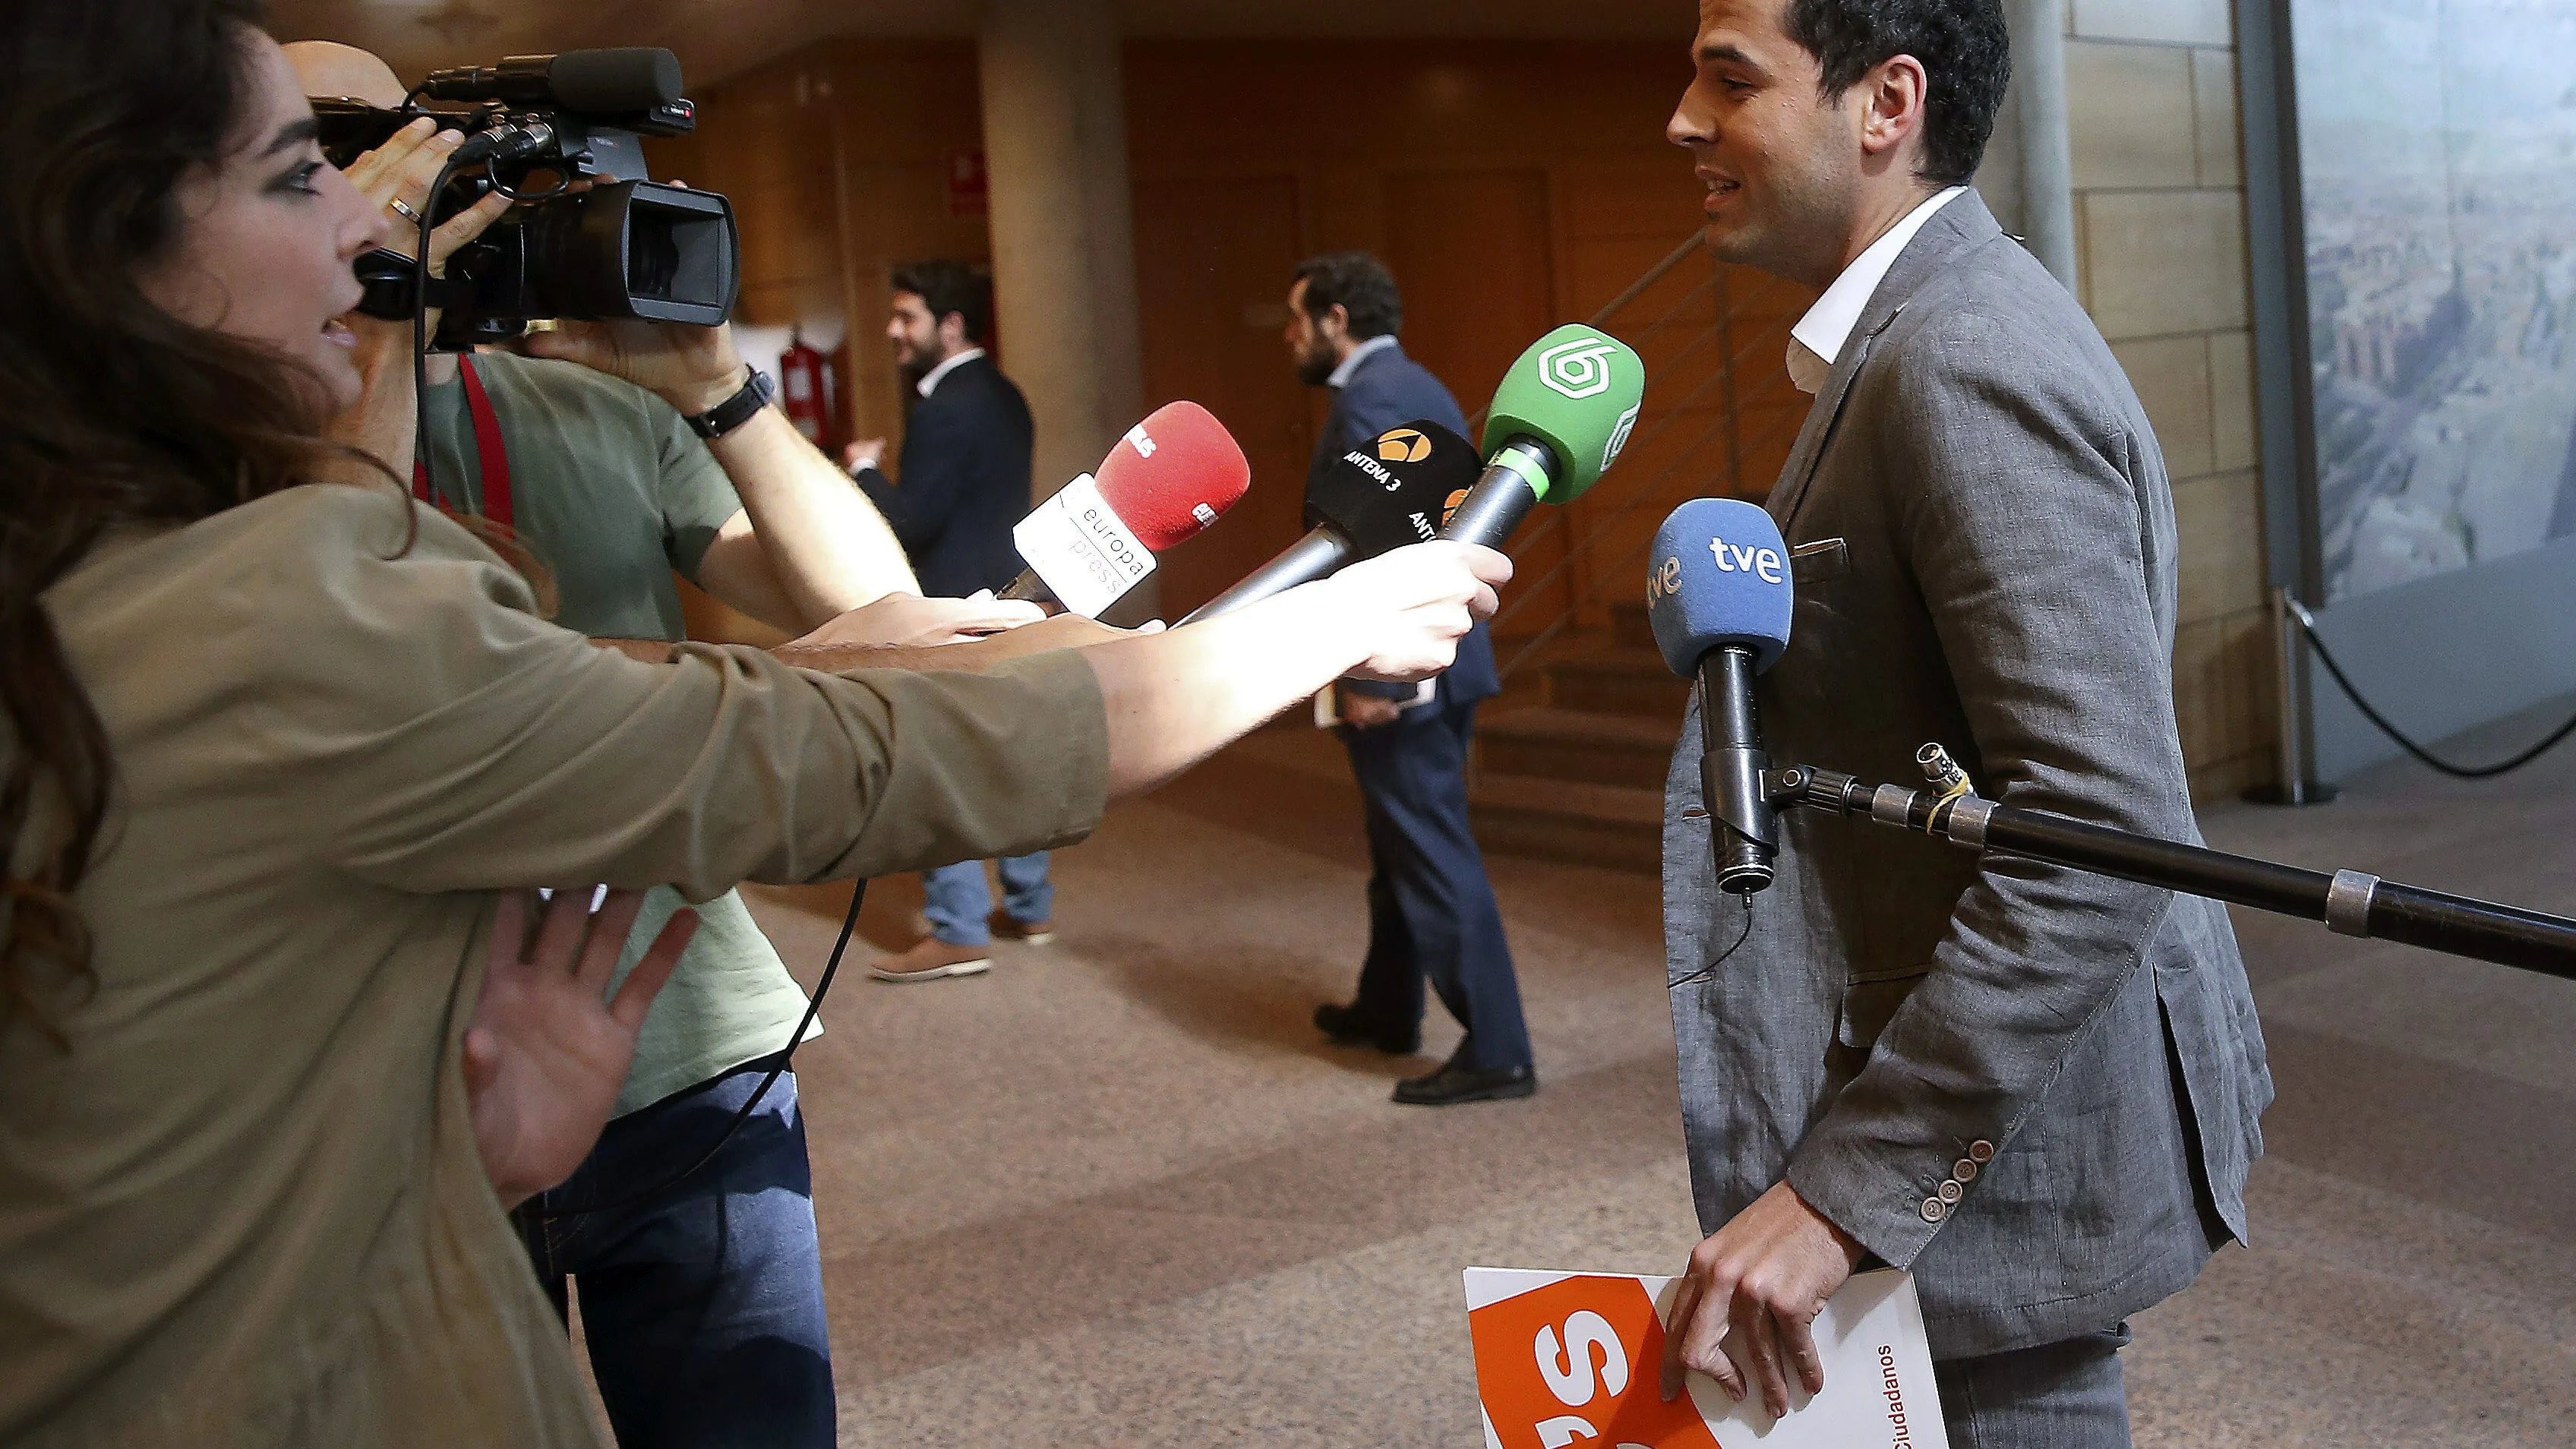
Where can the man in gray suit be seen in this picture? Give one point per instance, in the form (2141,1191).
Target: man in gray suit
(2038,1090)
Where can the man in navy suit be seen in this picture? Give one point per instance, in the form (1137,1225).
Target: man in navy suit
(1431,911)
(965,482)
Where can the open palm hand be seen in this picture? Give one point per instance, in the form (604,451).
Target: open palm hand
(548,1049)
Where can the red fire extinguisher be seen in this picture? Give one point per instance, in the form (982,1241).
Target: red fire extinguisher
(805,389)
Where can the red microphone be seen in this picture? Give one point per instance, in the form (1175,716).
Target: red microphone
(1161,485)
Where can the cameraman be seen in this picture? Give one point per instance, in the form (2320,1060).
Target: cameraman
(702,1305)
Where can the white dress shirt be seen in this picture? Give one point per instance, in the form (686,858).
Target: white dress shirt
(1342,370)
(1819,336)
(931,378)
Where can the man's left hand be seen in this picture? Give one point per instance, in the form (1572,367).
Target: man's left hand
(691,368)
(1748,1303)
(1367,711)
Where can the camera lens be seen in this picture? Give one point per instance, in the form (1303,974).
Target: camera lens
(652,256)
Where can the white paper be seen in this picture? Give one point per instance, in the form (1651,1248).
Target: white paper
(1568,1384)
(1079,546)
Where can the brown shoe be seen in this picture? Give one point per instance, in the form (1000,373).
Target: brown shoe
(930,959)
(1027,933)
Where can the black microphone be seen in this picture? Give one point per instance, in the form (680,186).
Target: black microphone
(1719,597)
(1379,496)
(608,82)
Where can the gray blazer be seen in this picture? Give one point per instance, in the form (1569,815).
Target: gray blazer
(2077,1055)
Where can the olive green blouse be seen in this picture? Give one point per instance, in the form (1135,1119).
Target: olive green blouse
(245,1207)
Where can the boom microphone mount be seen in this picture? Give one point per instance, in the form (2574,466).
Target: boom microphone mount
(2349,902)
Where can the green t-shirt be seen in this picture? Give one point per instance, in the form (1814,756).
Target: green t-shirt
(613,493)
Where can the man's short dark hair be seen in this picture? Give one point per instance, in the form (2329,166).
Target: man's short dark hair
(1966,57)
(1361,285)
(946,287)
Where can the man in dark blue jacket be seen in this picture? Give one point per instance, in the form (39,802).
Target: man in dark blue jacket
(1431,910)
(965,482)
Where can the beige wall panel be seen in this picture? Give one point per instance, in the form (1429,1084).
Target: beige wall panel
(2171,375)
(2220,523)
(2161,262)
(2220,135)
(2179,22)
(2231,400)
(2129,115)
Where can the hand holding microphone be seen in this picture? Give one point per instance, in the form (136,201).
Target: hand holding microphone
(1409,608)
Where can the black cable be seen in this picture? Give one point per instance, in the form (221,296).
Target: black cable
(796,1038)
(426,469)
(1709,970)
(2326,657)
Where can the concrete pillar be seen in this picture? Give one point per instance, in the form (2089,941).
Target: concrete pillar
(2039,109)
(1062,224)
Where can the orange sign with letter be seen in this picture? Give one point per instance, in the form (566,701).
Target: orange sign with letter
(1573,1361)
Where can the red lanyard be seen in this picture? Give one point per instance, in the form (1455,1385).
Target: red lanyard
(488,449)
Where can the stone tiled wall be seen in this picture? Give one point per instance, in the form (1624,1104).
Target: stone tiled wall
(2160,217)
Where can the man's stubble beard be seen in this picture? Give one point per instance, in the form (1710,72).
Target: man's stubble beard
(1315,365)
(1801,233)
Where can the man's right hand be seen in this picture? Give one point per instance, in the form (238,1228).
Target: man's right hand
(1365,711)
(908,621)
(863,454)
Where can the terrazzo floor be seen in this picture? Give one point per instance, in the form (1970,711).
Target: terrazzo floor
(1119,1192)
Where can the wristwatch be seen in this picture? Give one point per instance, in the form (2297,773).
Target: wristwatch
(736,410)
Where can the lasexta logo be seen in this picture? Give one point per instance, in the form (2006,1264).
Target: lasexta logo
(1578,369)
(1403,445)
(1619,436)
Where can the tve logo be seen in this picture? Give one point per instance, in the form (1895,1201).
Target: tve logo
(1663,581)
(1140,440)
(1763,563)
(1578,369)
(1574,1363)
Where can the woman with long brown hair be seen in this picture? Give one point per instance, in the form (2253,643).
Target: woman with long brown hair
(272,746)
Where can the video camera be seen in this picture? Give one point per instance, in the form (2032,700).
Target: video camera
(593,238)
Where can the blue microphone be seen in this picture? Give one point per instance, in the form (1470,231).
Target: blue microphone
(1719,597)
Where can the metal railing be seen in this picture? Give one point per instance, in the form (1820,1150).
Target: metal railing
(1676,388)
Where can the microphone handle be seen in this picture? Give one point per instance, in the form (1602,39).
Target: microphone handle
(1310,558)
(1028,588)
(1744,830)
(1513,481)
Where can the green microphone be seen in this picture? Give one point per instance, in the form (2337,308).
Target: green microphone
(1558,421)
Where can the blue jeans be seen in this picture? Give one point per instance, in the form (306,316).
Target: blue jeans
(957,900)
(2066,1395)
(703,1307)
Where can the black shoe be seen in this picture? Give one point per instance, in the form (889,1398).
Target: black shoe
(1346,1027)
(1457,1082)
